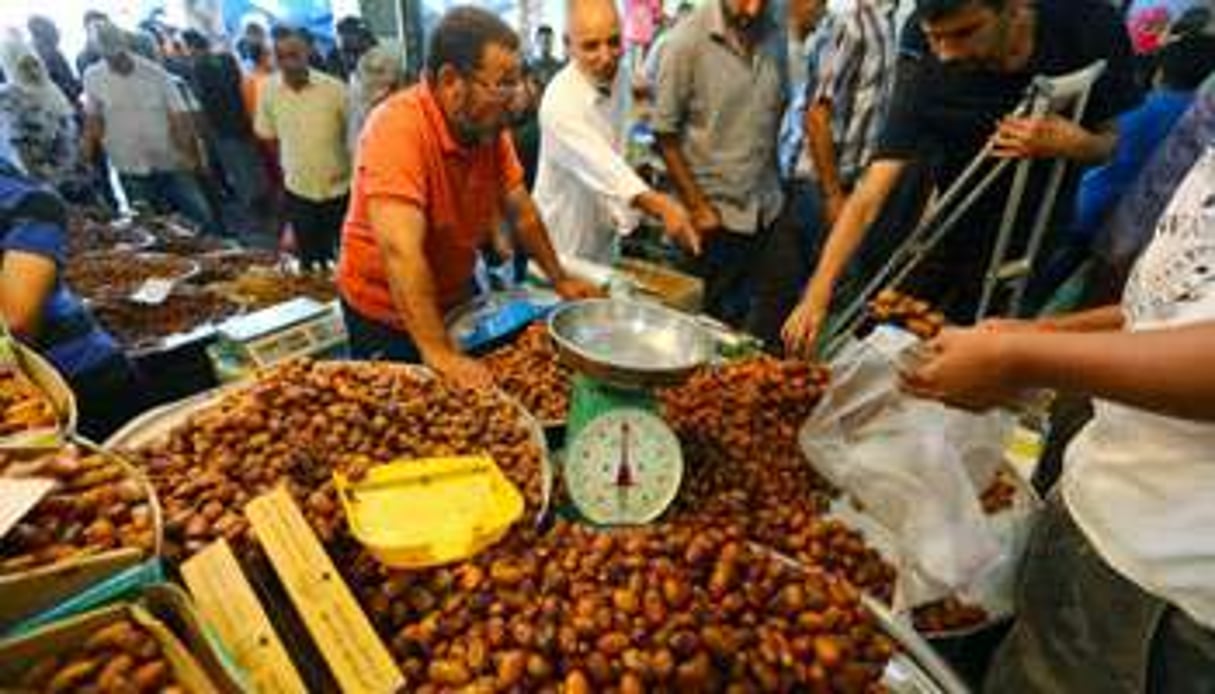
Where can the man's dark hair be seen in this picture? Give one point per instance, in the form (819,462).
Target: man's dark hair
(284,32)
(461,37)
(195,40)
(350,25)
(1186,62)
(91,16)
(932,10)
(544,29)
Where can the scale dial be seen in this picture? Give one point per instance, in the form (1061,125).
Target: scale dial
(624,468)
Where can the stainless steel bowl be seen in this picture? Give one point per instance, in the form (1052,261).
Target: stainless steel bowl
(630,344)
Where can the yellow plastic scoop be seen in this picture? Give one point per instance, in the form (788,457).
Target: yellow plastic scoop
(421,513)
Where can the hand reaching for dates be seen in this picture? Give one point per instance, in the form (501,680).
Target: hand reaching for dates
(462,371)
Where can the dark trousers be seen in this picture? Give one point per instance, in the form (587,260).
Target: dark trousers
(171,191)
(1082,627)
(727,265)
(371,340)
(317,226)
(786,261)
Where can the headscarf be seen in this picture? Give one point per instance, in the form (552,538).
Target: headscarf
(24,70)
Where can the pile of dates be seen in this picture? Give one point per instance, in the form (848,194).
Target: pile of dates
(738,425)
(227,265)
(918,317)
(298,423)
(98,505)
(676,607)
(121,273)
(89,231)
(23,405)
(139,325)
(529,370)
(119,657)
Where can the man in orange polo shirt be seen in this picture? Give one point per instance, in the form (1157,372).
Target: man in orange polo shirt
(435,172)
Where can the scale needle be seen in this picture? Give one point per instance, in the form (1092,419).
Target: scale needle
(624,473)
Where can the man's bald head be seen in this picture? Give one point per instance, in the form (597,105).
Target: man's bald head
(593,39)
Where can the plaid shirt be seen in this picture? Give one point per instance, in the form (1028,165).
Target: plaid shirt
(856,76)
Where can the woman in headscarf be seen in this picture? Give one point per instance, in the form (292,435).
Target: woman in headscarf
(378,75)
(37,122)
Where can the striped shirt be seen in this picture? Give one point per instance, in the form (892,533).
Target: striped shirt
(856,77)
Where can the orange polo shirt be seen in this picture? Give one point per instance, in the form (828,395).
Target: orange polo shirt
(407,152)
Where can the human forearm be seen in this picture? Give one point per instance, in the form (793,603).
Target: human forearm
(680,173)
(1092,147)
(90,142)
(1093,320)
(1165,371)
(185,139)
(854,221)
(820,142)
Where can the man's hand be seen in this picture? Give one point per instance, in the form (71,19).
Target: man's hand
(572,289)
(460,370)
(679,227)
(803,326)
(1042,137)
(969,369)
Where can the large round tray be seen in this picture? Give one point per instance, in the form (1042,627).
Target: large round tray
(630,344)
(155,425)
(187,270)
(55,387)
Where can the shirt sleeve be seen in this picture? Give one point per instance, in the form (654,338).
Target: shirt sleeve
(390,162)
(840,61)
(579,149)
(174,97)
(509,167)
(38,238)
(674,87)
(93,103)
(902,134)
(263,120)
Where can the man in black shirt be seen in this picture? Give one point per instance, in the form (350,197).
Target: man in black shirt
(964,66)
(215,79)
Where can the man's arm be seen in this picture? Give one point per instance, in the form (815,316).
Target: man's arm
(400,232)
(26,281)
(530,231)
(1165,371)
(820,141)
(94,134)
(704,215)
(584,153)
(801,330)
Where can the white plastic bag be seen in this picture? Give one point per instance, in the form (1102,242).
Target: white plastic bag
(915,466)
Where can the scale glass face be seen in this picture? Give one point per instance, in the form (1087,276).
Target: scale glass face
(624,468)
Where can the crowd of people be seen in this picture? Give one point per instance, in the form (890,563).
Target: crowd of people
(797,150)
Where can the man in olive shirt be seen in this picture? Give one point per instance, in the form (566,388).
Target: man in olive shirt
(717,114)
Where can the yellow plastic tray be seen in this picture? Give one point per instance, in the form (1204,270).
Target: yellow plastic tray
(430,512)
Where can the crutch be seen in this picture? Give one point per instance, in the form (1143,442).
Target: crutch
(1044,94)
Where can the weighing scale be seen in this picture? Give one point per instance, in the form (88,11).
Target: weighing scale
(623,464)
(301,327)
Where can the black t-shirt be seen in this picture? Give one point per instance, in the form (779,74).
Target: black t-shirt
(215,80)
(943,114)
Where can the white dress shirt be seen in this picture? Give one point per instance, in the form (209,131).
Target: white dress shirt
(584,187)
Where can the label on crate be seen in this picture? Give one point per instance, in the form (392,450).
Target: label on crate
(358,658)
(18,497)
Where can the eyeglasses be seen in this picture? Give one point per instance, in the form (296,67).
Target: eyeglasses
(503,91)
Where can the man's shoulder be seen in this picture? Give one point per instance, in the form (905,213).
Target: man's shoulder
(568,91)
(327,82)
(403,115)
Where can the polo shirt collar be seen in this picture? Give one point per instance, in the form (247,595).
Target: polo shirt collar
(719,30)
(438,121)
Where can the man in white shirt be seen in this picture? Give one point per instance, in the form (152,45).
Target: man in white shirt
(1117,592)
(132,107)
(586,192)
